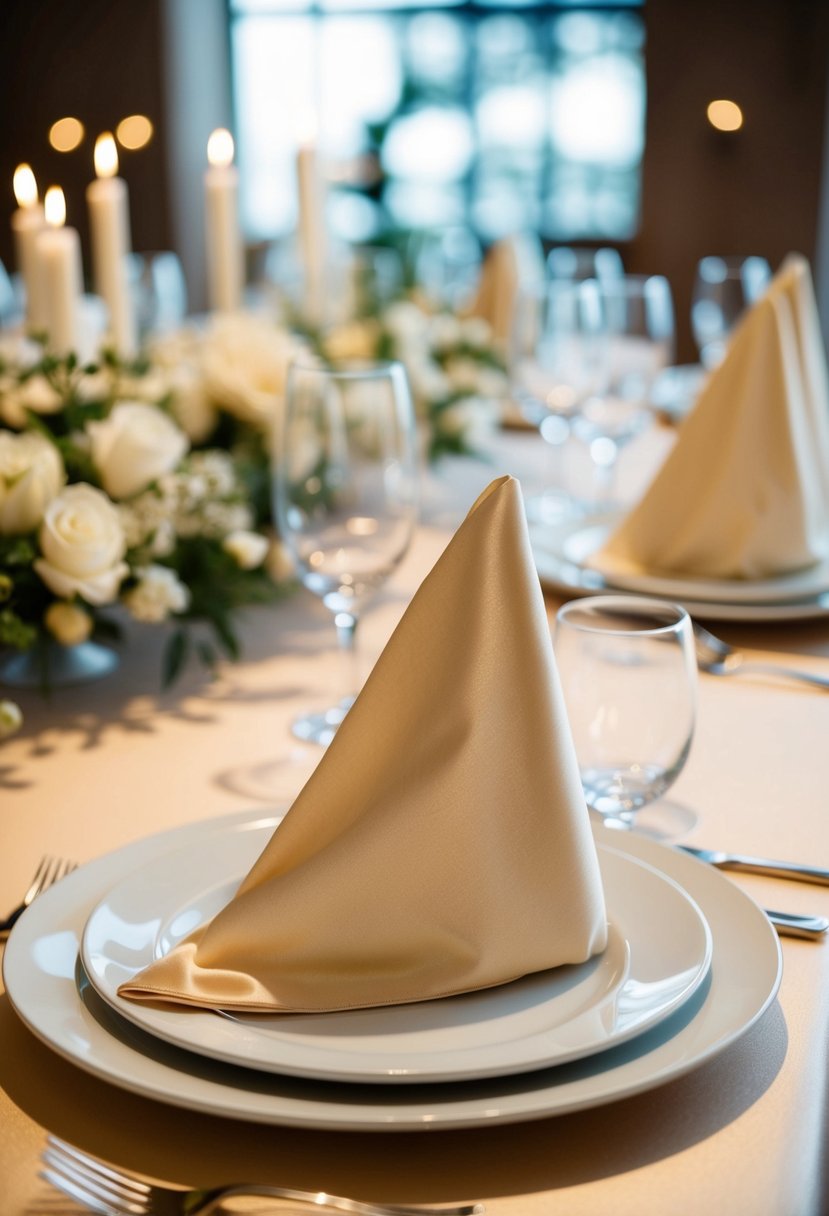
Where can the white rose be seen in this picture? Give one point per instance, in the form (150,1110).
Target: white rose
(279,563)
(445,331)
(31,474)
(83,545)
(11,718)
(133,446)
(472,419)
(245,364)
(158,593)
(477,331)
(463,375)
(356,340)
(68,623)
(35,395)
(248,549)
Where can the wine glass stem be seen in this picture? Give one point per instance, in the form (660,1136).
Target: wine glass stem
(346,626)
(604,474)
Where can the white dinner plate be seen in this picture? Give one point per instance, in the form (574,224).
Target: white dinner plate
(658,953)
(41,971)
(562,555)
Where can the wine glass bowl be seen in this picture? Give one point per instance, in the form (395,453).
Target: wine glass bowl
(723,289)
(344,495)
(628,671)
(557,361)
(638,319)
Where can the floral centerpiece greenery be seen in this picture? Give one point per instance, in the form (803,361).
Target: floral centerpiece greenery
(107,499)
(458,378)
(146,485)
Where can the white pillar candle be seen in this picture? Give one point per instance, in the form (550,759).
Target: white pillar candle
(109,224)
(311,229)
(225,273)
(59,257)
(27,223)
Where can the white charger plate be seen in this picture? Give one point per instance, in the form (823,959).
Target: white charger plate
(562,555)
(48,990)
(658,954)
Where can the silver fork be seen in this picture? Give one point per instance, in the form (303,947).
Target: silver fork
(719,659)
(49,871)
(103,1189)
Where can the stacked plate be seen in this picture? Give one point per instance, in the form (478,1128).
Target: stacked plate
(691,964)
(562,555)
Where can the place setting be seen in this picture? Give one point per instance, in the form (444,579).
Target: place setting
(433,935)
(735,522)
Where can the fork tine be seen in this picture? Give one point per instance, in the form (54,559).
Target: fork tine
(37,880)
(77,1159)
(69,1186)
(113,1192)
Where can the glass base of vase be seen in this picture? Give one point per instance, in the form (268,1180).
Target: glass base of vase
(56,666)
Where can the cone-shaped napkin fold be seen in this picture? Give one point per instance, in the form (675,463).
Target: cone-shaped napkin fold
(442,844)
(744,493)
(512,264)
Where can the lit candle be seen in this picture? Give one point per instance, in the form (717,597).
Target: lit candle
(311,227)
(109,225)
(27,223)
(59,257)
(225,276)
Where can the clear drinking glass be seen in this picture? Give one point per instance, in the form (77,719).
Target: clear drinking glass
(557,361)
(723,289)
(628,673)
(580,263)
(345,496)
(639,320)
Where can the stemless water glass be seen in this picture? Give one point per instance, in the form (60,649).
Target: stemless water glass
(345,495)
(557,360)
(628,672)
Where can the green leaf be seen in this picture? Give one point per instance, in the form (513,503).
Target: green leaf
(175,655)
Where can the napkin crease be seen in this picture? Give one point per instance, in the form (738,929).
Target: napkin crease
(442,845)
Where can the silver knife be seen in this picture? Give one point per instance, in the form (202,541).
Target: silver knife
(791,924)
(759,865)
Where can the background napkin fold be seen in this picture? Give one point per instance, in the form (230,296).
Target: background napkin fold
(442,844)
(744,493)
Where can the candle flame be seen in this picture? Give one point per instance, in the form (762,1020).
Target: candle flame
(54,206)
(106,155)
(220,148)
(25,186)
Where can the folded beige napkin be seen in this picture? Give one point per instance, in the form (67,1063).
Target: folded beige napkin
(442,844)
(744,493)
(511,264)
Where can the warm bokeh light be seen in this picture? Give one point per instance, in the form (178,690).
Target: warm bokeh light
(66,134)
(106,155)
(25,186)
(725,115)
(54,207)
(134,132)
(220,148)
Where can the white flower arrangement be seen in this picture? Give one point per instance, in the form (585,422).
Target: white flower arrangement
(105,501)
(458,379)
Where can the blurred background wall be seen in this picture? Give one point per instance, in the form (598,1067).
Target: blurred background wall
(191,65)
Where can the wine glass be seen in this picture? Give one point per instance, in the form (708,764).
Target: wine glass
(639,322)
(628,672)
(723,289)
(557,361)
(576,264)
(159,291)
(345,496)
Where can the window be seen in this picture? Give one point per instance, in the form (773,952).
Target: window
(497,116)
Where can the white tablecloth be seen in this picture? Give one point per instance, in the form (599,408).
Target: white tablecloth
(104,764)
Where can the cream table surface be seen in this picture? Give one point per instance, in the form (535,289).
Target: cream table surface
(98,766)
